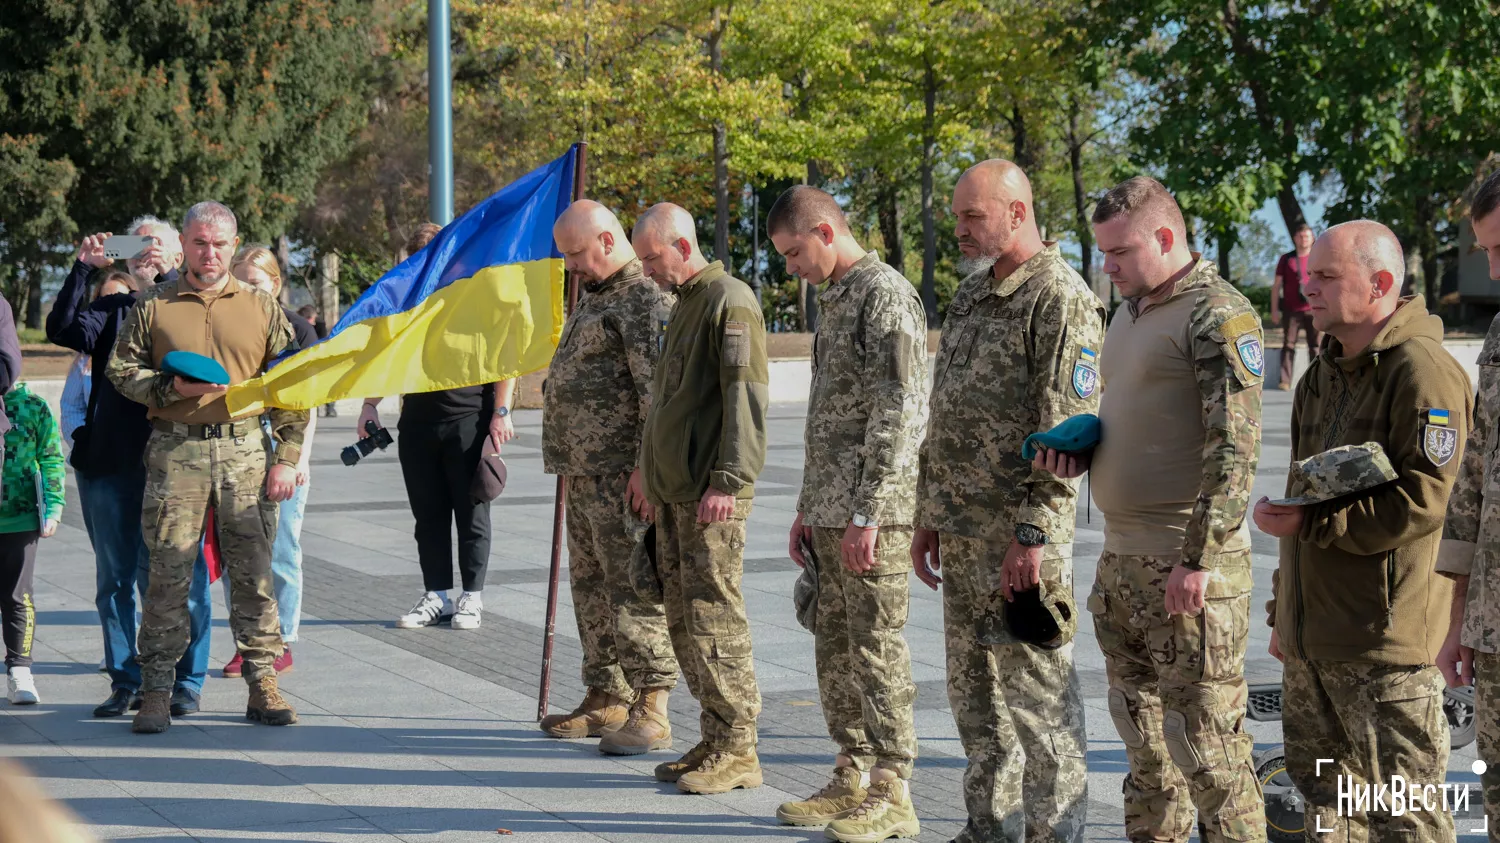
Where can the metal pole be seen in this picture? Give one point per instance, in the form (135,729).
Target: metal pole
(439,114)
(580,183)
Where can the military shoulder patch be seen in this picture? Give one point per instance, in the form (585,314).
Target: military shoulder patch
(1251,354)
(1439,441)
(1086,373)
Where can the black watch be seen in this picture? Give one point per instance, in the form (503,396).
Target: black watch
(1028,535)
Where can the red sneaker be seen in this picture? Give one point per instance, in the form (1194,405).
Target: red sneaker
(284,661)
(236,667)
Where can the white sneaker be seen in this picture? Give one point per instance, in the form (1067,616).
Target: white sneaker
(433,608)
(470,604)
(22,687)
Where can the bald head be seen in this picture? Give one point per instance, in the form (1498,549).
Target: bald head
(666,238)
(592,241)
(994,219)
(1355,272)
(1372,244)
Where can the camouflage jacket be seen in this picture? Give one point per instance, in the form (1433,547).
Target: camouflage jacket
(234,339)
(1471,532)
(1018,355)
(599,382)
(867,408)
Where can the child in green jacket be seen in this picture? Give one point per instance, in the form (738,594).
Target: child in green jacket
(33,462)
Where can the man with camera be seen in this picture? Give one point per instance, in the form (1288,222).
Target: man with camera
(107,462)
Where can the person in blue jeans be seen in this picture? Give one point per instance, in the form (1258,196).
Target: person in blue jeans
(108,462)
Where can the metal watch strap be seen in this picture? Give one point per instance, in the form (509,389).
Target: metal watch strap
(1030,535)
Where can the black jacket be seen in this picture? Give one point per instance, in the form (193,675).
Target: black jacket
(113,437)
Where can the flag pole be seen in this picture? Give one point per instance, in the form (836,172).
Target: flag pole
(580,183)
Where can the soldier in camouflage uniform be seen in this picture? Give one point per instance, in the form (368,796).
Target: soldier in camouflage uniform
(1180,413)
(703,446)
(594,408)
(1470,551)
(199,457)
(866,413)
(1359,610)
(1018,356)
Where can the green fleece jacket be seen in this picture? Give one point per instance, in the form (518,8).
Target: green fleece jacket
(707,424)
(1359,582)
(32,445)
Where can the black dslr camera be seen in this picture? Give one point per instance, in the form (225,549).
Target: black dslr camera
(379,438)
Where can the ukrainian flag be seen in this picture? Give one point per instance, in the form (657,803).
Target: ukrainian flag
(482,302)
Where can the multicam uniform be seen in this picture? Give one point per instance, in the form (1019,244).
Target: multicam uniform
(1172,475)
(199,457)
(594,409)
(1018,356)
(867,410)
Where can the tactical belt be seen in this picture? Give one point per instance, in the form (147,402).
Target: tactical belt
(231,430)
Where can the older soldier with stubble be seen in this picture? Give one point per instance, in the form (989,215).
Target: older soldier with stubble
(594,409)
(1017,357)
(1470,551)
(704,445)
(1359,609)
(1180,412)
(866,413)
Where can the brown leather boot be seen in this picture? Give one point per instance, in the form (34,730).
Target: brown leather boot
(267,705)
(647,728)
(155,715)
(671,771)
(598,711)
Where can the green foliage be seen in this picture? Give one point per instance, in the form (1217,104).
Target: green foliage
(1260,296)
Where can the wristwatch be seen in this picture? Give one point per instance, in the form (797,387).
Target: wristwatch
(502,411)
(864,522)
(1029,535)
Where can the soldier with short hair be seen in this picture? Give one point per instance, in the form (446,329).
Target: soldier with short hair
(593,413)
(1470,551)
(1180,414)
(1019,355)
(866,413)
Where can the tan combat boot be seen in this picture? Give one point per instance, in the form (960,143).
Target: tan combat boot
(267,705)
(886,812)
(598,711)
(721,772)
(671,771)
(155,714)
(647,728)
(836,800)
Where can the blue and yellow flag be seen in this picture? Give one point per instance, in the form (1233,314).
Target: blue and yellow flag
(481,303)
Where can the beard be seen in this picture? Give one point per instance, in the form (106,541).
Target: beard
(979,263)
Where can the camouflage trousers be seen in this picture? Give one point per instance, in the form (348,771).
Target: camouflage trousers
(184,477)
(625,641)
(1487,716)
(1019,715)
(1374,721)
(864,668)
(701,566)
(1177,696)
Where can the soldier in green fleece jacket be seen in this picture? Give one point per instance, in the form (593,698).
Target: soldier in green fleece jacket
(33,448)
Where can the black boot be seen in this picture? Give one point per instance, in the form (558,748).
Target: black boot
(184,702)
(120,701)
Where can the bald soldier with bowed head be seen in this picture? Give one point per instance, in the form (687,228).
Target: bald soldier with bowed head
(866,413)
(1359,609)
(1182,369)
(704,445)
(1019,355)
(594,410)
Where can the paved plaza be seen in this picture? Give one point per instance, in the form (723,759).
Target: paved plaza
(430,735)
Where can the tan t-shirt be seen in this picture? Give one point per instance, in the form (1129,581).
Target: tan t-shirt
(1148,468)
(231,326)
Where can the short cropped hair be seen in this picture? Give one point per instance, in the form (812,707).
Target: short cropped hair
(1143,199)
(211,213)
(801,208)
(421,237)
(1487,199)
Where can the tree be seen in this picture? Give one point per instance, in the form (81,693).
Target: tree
(33,218)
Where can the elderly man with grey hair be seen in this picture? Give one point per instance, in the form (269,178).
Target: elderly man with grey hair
(107,459)
(202,455)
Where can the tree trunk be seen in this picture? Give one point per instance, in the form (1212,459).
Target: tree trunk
(814,174)
(889,211)
(328,289)
(284,260)
(721,145)
(1251,64)
(929,225)
(1080,200)
(1226,248)
(1020,140)
(34,298)
(1426,240)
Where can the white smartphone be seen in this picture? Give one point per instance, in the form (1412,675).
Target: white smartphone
(126,246)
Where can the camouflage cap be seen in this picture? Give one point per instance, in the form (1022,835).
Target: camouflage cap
(1336,472)
(1043,616)
(805,591)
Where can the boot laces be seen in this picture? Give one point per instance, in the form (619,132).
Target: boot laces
(272,694)
(827,791)
(877,796)
(714,760)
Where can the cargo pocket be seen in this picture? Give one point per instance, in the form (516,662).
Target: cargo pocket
(153,512)
(891,700)
(733,673)
(270,516)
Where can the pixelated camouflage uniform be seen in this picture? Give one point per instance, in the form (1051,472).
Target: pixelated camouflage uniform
(594,409)
(185,475)
(707,428)
(1177,690)
(866,413)
(1471,549)
(1005,369)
